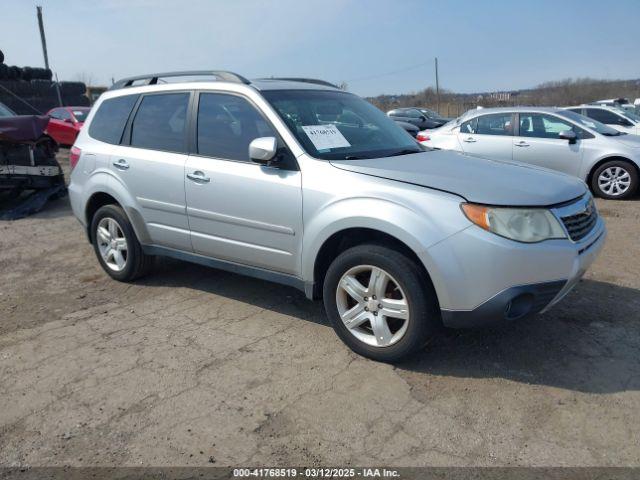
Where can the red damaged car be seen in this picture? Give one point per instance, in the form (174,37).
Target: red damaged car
(65,123)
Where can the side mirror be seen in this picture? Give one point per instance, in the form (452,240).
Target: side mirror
(68,120)
(423,118)
(569,135)
(263,149)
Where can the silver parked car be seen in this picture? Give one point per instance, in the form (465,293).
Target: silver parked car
(606,159)
(306,185)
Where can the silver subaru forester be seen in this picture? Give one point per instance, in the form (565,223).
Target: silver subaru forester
(297,182)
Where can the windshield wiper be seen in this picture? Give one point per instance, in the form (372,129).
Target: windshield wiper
(354,157)
(406,151)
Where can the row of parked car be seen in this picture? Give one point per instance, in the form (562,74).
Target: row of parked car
(600,144)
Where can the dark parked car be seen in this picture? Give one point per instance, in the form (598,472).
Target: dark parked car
(27,155)
(415,117)
(410,128)
(435,116)
(6,111)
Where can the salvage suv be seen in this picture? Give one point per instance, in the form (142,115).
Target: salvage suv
(300,183)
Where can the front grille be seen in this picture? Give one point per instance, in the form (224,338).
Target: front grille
(580,224)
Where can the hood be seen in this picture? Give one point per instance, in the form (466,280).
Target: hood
(628,140)
(478,180)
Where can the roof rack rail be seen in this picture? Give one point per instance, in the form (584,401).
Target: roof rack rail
(303,80)
(152,78)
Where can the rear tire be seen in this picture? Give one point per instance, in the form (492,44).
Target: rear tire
(389,317)
(615,180)
(116,245)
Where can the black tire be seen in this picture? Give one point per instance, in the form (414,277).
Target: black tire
(137,263)
(424,320)
(622,164)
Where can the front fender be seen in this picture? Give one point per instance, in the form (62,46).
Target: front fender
(416,229)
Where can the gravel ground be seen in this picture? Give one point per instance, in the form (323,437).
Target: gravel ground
(193,366)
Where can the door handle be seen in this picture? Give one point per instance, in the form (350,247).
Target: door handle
(121,164)
(522,144)
(198,177)
(469,140)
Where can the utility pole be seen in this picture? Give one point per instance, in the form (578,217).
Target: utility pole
(437,89)
(43,39)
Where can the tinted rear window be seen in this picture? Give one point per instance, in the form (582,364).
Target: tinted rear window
(110,119)
(160,122)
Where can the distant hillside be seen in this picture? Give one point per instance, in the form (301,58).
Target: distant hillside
(559,93)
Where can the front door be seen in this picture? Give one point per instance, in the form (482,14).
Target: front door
(238,210)
(538,143)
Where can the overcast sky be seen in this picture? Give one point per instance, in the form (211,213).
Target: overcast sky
(376,46)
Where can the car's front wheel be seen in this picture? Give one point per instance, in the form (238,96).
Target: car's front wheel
(116,245)
(380,303)
(616,179)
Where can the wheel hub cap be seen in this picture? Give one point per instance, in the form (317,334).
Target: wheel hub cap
(614,181)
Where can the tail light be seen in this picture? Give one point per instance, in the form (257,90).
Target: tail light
(423,137)
(74,157)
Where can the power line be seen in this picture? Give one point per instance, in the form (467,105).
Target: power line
(394,72)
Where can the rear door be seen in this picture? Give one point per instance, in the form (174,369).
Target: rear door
(241,211)
(538,143)
(489,136)
(150,163)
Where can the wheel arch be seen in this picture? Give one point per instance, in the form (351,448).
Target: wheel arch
(100,198)
(611,158)
(346,238)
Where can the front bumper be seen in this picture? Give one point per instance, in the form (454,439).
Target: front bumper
(481,278)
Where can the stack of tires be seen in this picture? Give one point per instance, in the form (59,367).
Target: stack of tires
(35,86)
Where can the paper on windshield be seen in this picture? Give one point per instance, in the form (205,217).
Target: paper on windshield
(325,137)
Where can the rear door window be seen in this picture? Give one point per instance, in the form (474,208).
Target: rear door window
(160,122)
(470,126)
(495,124)
(109,121)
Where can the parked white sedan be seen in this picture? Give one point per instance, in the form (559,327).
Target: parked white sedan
(606,159)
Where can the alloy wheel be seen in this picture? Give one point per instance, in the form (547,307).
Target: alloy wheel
(372,305)
(112,244)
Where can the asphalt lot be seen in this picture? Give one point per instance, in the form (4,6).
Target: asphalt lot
(193,366)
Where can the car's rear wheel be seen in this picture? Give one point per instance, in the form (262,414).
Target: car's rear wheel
(616,179)
(380,303)
(116,245)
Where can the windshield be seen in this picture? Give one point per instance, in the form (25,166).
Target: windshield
(429,113)
(601,128)
(630,114)
(81,114)
(5,112)
(335,125)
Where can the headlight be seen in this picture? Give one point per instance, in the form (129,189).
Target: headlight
(528,225)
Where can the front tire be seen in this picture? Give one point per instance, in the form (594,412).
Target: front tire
(380,303)
(116,245)
(615,180)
